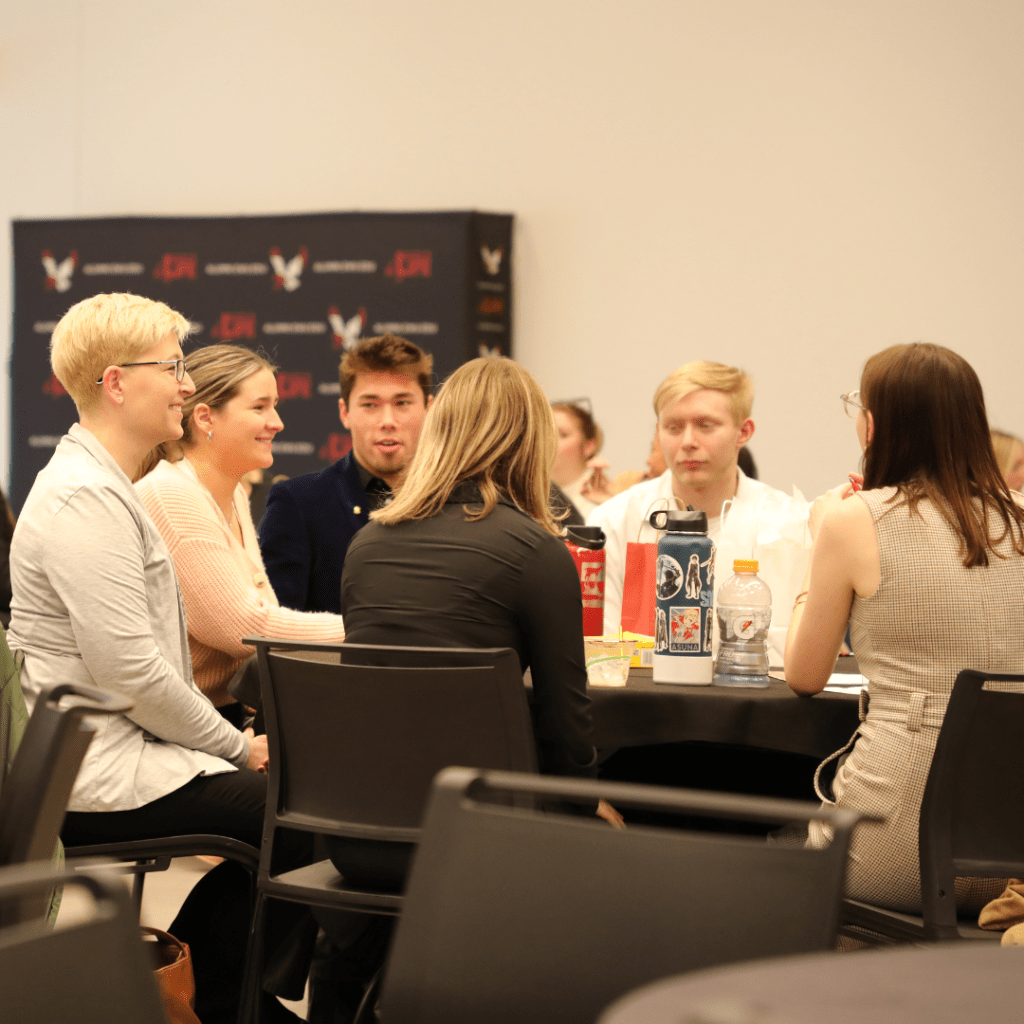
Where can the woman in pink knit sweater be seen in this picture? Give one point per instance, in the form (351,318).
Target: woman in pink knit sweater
(193,493)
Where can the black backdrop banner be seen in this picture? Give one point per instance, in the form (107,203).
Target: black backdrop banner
(303,288)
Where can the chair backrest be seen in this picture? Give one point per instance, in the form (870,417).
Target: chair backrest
(972,812)
(37,787)
(94,971)
(519,913)
(357,742)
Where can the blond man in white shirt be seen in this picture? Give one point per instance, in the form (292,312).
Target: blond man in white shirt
(703,411)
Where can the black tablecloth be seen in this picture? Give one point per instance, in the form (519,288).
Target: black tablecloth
(947,984)
(644,713)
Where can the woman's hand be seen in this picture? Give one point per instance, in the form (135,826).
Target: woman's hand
(612,816)
(828,500)
(258,756)
(598,488)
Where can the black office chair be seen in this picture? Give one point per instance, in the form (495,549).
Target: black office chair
(95,971)
(356,734)
(35,791)
(972,814)
(514,913)
(139,857)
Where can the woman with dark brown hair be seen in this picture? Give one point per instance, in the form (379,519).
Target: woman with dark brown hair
(926,564)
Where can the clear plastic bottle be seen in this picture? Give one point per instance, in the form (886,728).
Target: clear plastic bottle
(744,610)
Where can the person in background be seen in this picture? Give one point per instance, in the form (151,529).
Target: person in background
(655,467)
(193,492)
(1009,452)
(746,462)
(469,555)
(703,411)
(926,564)
(310,520)
(7,523)
(577,472)
(96,602)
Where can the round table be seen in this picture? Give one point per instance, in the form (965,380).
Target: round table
(946,984)
(773,718)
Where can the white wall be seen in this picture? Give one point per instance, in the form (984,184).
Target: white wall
(786,185)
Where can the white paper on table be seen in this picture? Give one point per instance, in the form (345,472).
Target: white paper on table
(846,682)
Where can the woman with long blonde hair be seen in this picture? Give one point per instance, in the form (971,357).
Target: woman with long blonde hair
(192,490)
(469,554)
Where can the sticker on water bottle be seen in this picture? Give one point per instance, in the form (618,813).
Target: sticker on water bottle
(670,577)
(684,626)
(660,630)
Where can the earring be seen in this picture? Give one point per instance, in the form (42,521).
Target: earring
(209,435)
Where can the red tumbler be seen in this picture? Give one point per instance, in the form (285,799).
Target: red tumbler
(586,545)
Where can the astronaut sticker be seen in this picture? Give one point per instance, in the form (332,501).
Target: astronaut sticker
(670,577)
(684,630)
(660,630)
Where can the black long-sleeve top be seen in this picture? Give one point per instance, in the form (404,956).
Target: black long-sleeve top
(501,581)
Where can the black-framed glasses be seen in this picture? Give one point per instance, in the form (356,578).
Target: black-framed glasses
(180,369)
(851,404)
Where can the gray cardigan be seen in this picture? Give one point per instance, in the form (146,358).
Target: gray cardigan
(96,601)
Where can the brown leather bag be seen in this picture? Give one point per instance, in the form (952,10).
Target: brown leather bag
(174,976)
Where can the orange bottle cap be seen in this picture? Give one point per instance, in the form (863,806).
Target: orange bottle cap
(745,565)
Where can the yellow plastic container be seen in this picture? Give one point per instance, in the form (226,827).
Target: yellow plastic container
(643,652)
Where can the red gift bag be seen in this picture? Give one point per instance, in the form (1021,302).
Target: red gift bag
(638,588)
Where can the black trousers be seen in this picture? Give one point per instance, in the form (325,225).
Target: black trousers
(214,920)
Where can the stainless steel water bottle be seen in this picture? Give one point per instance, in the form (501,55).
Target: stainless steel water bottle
(683,598)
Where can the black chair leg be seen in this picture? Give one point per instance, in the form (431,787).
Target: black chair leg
(368,1004)
(251,1006)
(138,883)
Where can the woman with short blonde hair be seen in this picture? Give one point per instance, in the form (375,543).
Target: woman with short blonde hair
(468,554)
(96,601)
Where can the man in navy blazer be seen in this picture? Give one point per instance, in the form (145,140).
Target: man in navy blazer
(310,520)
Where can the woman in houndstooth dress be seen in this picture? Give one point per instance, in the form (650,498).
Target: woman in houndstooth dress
(926,564)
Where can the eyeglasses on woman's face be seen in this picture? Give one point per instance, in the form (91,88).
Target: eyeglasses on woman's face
(179,367)
(851,403)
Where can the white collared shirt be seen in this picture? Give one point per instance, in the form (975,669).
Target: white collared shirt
(624,520)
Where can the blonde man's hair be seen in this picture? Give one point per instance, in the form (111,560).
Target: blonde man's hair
(107,330)
(491,424)
(1004,445)
(703,374)
(218,372)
